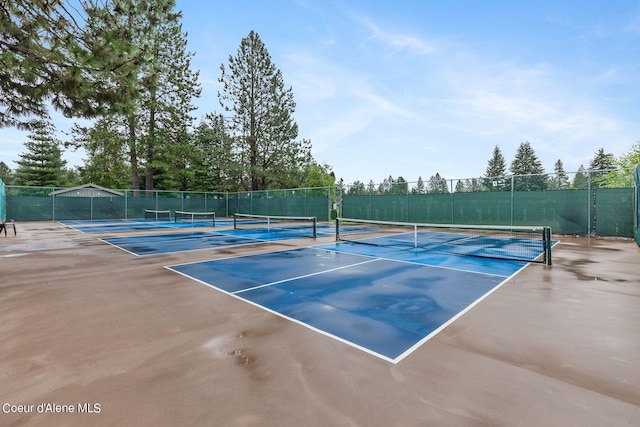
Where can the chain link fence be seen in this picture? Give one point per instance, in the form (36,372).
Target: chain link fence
(575,204)
(3,202)
(63,204)
(636,204)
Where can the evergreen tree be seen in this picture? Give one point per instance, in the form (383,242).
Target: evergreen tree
(153,128)
(357,189)
(560,180)
(600,165)
(580,180)
(602,161)
(104,144)
(262,118)
(529,170)
(419,188)
(475,185)
(437,185)
(386,187)
(47,56)
(168,88)
(460,186)
(371,187)
(400,186)
(212,163)
(41,165)
(6,175)
(496,170)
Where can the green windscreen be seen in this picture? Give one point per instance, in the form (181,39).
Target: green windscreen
(637,203)
(3,202)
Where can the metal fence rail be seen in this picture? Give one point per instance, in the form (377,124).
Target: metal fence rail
(56,204)
(588,209)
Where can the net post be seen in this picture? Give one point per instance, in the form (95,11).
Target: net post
(547,245)
(235,221)
(315,232)
(337,229)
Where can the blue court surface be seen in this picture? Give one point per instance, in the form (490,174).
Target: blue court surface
(126,225)
(189,241)
(383,301)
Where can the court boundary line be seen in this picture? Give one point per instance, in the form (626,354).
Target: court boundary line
(396,360)
(428,265)
(254,242)
(461,313)
(284,316)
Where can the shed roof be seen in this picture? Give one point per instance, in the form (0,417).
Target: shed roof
(87,190)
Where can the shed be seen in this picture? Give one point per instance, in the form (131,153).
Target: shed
(86,190)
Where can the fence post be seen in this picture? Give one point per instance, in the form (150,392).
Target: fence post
(453,219)
(589,204)
(512,198)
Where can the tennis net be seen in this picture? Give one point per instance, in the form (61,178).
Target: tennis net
(154,215)
(195,218)
(530,244)
(295,226)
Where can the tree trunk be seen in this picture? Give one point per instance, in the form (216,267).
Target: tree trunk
(133,155)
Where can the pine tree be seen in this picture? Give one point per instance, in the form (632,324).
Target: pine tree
(419,188)
(153,128)
(47,56)
(600,165)
(262,118)
(529,170)
(41,165)
(371,187)
(357,189)
(580,180)
(6,175)
(496,170)
(560,179)
(475,185)
(602,161)
(437,185)
(386,187)
(168,89)
(106,160)
(212,162)
(400,186)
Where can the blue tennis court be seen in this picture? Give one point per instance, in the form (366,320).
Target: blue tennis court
(385,301)
(128,225)
(153,244)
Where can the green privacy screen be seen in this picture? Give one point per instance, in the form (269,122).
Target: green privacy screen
(46,203)
(3,202)
(598,211)
(637,203)
(602,211)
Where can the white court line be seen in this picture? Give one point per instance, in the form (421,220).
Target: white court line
(396,360)
(454,318)
(414,262)
(304,276)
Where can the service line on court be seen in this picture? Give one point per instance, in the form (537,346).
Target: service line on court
(305,276)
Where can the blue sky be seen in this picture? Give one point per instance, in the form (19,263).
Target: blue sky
(411,88)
